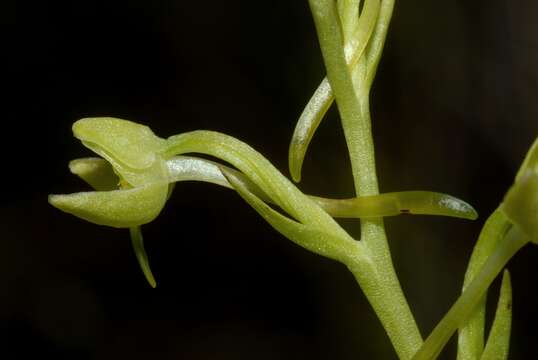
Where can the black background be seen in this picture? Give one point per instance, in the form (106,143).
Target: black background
(454,110)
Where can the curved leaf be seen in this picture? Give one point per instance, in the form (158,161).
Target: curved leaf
(323,97)
(311,238)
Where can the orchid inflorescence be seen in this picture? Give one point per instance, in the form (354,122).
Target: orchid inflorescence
(136,172)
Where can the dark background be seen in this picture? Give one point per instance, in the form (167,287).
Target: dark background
(454,110)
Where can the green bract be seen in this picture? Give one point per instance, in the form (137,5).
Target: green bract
(521,201)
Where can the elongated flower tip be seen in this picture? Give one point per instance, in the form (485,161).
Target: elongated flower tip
(118,208)
(130,143)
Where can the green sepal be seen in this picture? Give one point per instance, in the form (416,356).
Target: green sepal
(498,343)
(117,208)
(119,141)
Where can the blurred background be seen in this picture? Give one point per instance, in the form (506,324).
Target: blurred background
(454,110)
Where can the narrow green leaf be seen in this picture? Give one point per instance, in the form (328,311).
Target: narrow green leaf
(97,172)
(309,237)
(323,97)
(498,343)
(138,245)
(471,333)
(117,208)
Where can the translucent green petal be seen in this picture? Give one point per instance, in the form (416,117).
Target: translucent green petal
(499,337)
(521,204)
(97,172)
(309,237)
(118,208)
(117,140)
(138,245)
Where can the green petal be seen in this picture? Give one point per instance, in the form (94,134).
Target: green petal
(117,140)
(309,237)
(499,337)
(138,245)
(97,172)
(118,208)
(521,204)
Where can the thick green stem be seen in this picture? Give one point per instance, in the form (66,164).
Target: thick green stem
(378,281)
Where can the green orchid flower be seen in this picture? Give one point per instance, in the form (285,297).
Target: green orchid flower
(134,177)
(132,187)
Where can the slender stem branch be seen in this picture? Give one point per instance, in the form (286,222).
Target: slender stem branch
(379,281)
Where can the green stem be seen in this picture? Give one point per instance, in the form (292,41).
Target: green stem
(467,302)
(379,281)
